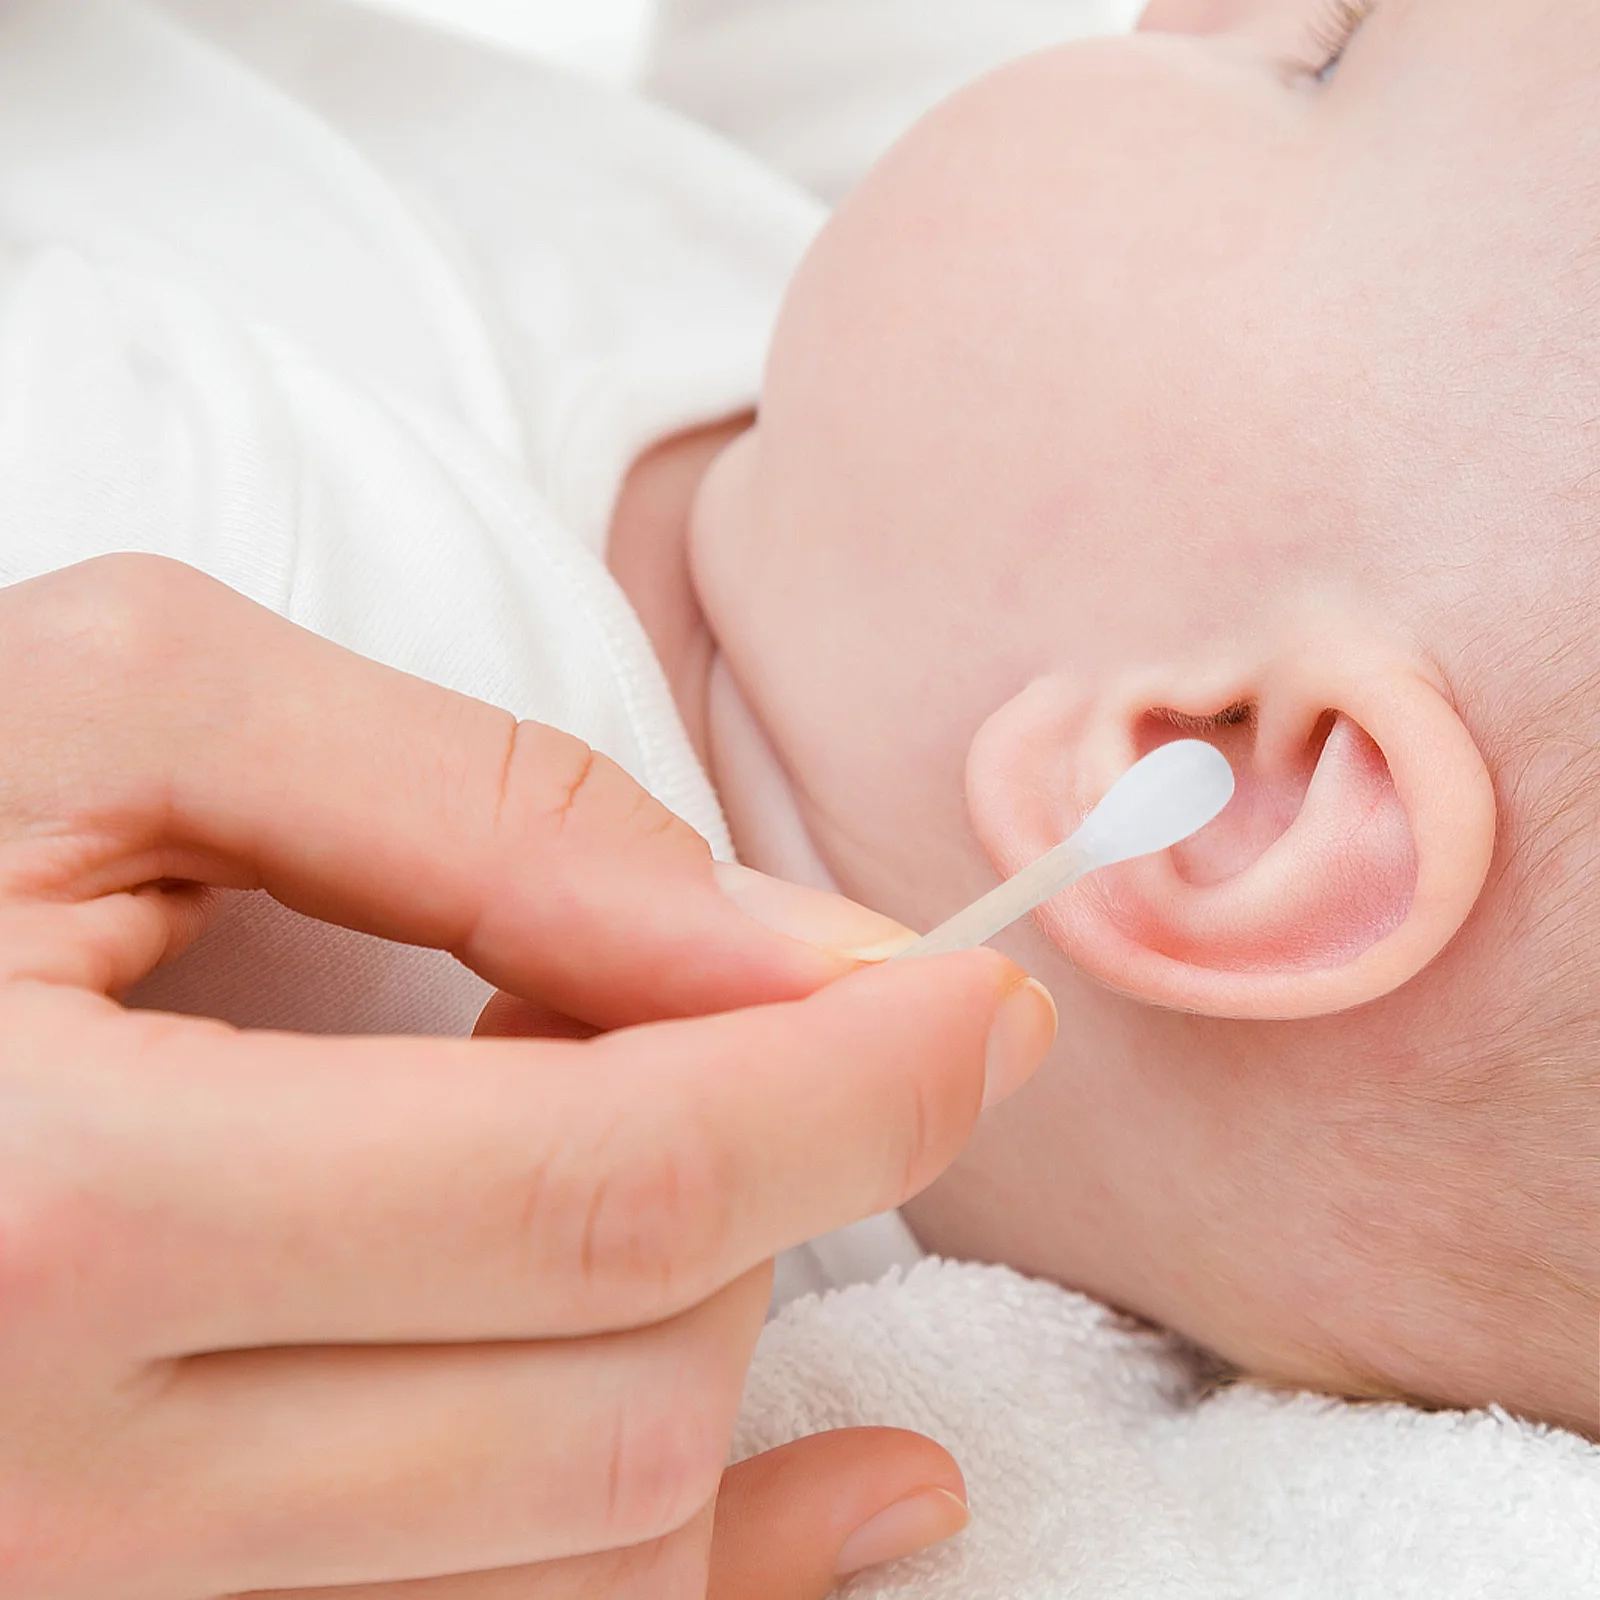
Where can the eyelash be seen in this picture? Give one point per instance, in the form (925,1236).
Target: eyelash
(1334,31)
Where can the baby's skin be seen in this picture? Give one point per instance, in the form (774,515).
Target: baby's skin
(1239,380)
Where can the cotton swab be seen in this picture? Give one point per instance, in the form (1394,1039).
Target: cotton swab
(1158,802)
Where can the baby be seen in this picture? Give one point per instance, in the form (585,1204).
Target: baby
(1239,380)
(1236,380)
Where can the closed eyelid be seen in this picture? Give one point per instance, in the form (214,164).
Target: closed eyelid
(1334,31)
(1300,39)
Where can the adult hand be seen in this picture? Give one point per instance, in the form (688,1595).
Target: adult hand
(411,1317)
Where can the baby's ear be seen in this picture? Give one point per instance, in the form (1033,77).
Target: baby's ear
(1356,844)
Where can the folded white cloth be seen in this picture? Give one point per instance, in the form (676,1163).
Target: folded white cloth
(1103,1460)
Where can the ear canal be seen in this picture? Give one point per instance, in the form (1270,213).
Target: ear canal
(1309,871)
(1264,804)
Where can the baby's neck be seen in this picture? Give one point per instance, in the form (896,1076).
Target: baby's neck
(648,553)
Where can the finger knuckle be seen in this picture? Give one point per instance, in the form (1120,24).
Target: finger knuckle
(664,1456)
(567,770)
(925,1134)
(41,1552)
(66,1535)
(657,1229)
(62,1233)
(49,1238)
(647,818)
(120,611)
(671,1568)
(577,791)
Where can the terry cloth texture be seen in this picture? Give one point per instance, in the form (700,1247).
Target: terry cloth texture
(1104,1460)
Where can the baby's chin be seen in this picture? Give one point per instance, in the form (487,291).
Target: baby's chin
(720,517)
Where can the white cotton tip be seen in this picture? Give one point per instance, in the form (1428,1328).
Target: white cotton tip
(1157,803)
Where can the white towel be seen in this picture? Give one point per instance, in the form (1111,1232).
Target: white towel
(1102,1461)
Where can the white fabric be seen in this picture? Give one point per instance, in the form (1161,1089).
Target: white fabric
(1103,1462)
(821,88)
(369,323)
(602,38)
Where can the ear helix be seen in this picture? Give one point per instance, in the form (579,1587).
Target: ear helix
(1357,843)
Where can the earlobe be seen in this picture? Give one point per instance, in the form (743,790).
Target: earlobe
(1355,848)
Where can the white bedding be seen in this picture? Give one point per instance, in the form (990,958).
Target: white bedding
(1102,1460)
(603,37)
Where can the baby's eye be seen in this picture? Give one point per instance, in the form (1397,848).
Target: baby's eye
(1333,32)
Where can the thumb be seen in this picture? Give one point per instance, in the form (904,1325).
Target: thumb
(793,1523)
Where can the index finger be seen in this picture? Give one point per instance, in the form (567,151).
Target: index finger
(293,1191)
(173,728)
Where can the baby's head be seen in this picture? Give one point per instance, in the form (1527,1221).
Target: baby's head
(1190,385)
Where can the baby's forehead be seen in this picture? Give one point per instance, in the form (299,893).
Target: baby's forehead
(1135,249)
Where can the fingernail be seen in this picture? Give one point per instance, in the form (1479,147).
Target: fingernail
(828,921)
(1020,1037)
(908,1526)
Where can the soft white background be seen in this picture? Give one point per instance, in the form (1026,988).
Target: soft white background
(600,36)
